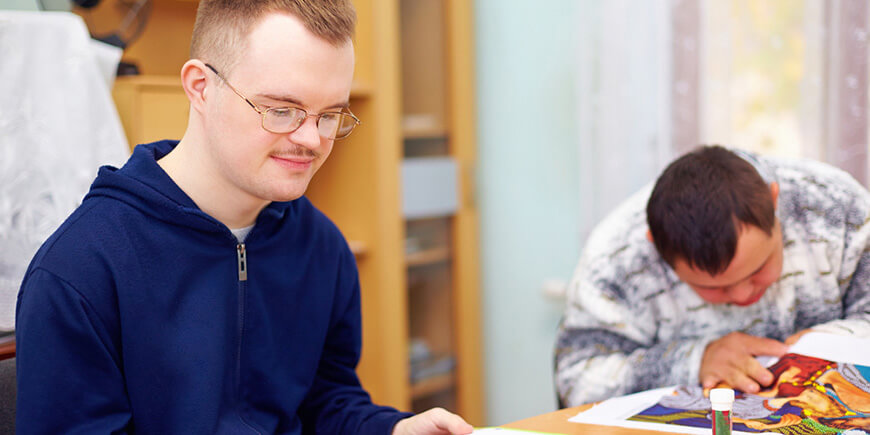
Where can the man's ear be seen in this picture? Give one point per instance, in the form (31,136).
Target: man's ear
(774,192)
(194,80)
(649,236)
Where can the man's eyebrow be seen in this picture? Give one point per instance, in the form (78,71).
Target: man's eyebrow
(296,102)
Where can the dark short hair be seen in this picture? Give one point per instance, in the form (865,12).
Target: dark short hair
(701,202)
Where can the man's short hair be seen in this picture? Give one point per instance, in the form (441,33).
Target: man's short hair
(222,26)
(700,204)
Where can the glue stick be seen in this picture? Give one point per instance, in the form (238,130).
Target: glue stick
(722,399)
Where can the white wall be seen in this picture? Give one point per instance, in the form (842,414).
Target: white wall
(527,192)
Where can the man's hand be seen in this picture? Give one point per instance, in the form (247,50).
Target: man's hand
(435,421)
(731,359)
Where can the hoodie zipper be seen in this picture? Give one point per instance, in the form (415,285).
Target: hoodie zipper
(242,257)
(243,262)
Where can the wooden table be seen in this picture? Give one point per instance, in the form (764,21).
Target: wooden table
(557,422)
(7,349)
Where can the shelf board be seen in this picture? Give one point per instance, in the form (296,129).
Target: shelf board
(433,385)
(357,90)
(150,80)
(360,90)
(424,133)
(427,257)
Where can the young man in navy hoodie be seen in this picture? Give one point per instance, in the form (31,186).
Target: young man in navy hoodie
(196,290)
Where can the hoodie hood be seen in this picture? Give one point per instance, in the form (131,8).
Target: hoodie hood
(143,184)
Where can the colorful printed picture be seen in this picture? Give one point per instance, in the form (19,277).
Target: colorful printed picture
(810,396)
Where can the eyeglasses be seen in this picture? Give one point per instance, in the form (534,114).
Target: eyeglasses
(330,125)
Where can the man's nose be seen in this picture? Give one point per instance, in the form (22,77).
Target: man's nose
(308,134)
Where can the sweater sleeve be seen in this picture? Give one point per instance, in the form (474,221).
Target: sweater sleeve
(68,365)
(607,346)
(854,274)
(336,402)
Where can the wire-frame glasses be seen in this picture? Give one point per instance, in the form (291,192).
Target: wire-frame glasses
(330,125)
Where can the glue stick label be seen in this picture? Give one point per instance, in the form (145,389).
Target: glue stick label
(721,422)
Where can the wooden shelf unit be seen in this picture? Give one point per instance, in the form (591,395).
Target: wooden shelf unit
(434,385)
(428,257)
(425,133)
(438,115)
(359,187)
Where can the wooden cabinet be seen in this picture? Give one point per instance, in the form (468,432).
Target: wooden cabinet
(413,90)
(151,107)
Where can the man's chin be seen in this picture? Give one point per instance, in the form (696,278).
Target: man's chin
(288,189)
(751,301)
(287,196)
(286,193)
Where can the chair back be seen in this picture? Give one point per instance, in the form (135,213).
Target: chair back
(8,393)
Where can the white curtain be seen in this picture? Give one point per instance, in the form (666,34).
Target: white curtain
(58,124)
(657,78)
(787,77)
(624,99)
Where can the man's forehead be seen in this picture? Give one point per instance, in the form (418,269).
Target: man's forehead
(754,249)
(288,29)
(285,63)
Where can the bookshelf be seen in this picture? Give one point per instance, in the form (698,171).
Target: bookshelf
(438,115)
(413,91)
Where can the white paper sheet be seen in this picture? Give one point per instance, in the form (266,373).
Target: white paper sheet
(616,411)
(504,431)
(839,348)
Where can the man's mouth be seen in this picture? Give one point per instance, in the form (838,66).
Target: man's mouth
(293,162)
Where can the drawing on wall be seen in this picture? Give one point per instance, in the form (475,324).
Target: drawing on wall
(810,396)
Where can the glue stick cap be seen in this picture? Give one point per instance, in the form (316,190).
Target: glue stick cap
(722,399)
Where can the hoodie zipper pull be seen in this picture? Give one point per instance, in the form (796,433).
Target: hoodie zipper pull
(243,262)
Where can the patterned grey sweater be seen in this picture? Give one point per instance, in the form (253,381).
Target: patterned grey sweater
(632,325)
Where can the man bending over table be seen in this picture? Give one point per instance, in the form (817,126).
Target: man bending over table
(727,257)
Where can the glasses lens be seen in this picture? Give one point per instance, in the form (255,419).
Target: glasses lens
(283,120)
(328,124)
(346,124)
(335,125)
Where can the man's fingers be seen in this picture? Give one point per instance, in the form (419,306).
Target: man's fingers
(731,359)
(760,375)
(709,381)
(449,422)
(765,346)
(743,383)
(458,426)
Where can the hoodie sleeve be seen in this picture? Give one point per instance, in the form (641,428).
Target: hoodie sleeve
(336,402)
(68,364)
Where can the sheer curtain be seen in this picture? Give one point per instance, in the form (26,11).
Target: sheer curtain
(787,77)
(624,102)
(58,124)
(657,78)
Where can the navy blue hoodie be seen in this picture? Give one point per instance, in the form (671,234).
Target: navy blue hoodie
(143,314)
